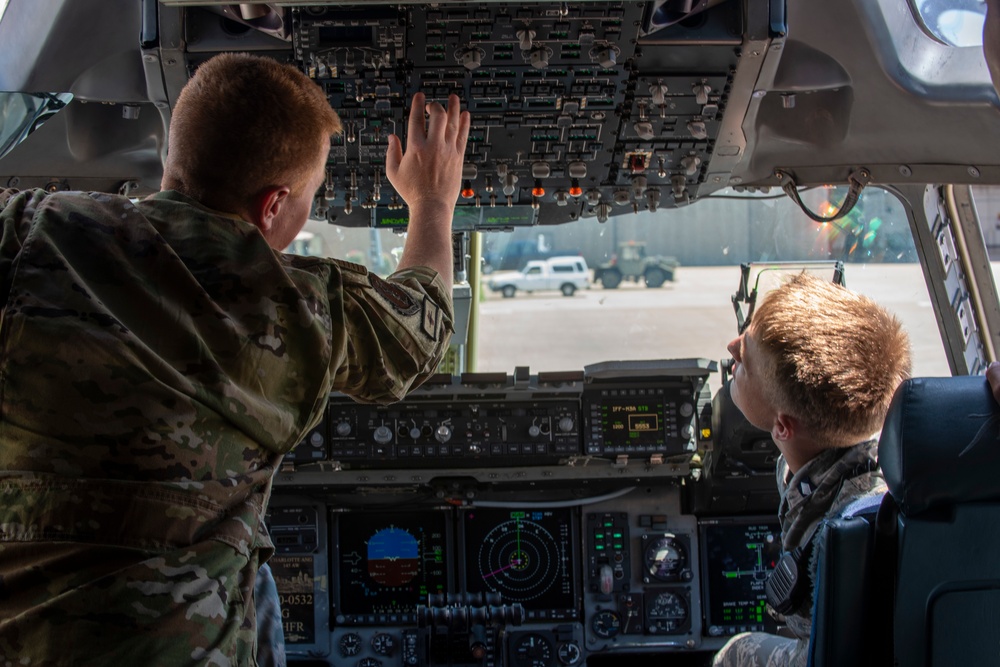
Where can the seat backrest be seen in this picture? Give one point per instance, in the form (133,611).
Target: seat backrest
(940,455)
(845,627)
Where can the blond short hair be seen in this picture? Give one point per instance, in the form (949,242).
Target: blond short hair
(833,358)
(244,123)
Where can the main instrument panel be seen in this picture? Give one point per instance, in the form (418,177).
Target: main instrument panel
(528,520)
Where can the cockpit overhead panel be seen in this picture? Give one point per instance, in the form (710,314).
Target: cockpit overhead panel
(578,109)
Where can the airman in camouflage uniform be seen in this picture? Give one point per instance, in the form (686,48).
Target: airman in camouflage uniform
(157,359)
(816,367)
(821,489)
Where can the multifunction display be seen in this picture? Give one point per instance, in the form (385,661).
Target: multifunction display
(639,421)
(738,556)
(389,563)
(526,556)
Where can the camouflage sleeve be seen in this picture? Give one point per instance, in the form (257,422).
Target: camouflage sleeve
(395,331)
(759,649)
(16,211)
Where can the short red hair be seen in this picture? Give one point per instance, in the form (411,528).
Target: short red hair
(830,357)
(244,123)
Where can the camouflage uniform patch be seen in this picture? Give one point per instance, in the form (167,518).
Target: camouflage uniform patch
(397,297)
(158,359)
(430,323)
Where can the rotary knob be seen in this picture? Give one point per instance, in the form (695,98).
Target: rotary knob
(539,56)
(415,432)
(382,435)
(534,431)
(686,409)
(343,429)
(566,424)
(644,130)
(687,431)
(470,58)
(316,439)
(691,164)
(443,433)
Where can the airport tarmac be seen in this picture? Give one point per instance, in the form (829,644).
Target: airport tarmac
(691,317)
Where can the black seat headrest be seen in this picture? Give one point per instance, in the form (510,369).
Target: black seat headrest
(941,443)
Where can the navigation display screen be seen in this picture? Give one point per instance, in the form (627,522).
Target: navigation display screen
(525,556)
(388,563)
(738,554)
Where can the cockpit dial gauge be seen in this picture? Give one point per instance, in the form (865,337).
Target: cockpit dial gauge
(606,624)
(667,612)
(383,643)
(532,650)
(350,644)
(664,558)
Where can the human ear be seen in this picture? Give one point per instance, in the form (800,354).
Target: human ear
(784,427)
(267,206)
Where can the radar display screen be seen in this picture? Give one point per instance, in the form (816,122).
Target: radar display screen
(526,556)
(738,554)
(389,563)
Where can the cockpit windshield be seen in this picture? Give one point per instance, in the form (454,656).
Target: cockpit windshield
(661,283)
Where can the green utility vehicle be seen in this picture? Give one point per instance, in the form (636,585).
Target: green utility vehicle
(632,263)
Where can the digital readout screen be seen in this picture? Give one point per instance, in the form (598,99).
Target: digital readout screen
(633,423)
(466,218)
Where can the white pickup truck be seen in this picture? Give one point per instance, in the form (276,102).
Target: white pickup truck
(566,274)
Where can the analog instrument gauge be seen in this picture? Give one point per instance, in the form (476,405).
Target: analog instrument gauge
(664,558)
(666,612)
(606,624)
(531,650)
(350,644)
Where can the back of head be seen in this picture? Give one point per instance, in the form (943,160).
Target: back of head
(833,357)
(241,124)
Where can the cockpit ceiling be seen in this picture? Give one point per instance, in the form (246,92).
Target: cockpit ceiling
(586,109)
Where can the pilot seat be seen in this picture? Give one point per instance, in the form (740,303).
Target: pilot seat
(917,583)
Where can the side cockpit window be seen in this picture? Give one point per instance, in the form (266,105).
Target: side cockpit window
(23,113)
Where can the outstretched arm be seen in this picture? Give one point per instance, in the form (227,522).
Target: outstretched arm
(428,177)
